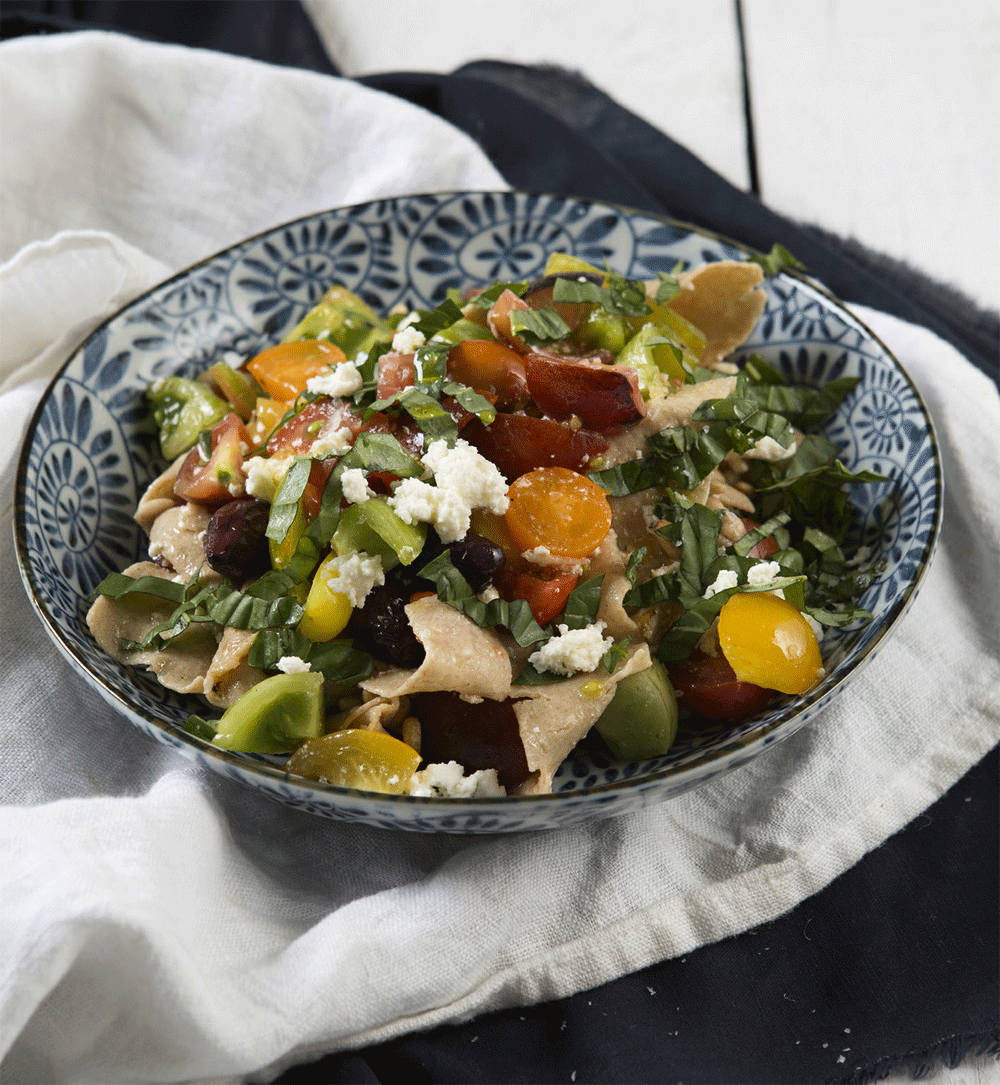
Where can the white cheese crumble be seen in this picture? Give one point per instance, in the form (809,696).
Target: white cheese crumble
(416,501)
(461,469)
(538,555)
(448,781)
(727,578)
(356,575)
(342,380)
(355,486)
(293,665)
(763,572)
(407,339)
(264,476)
(768,449)
(573,651)
(332,444)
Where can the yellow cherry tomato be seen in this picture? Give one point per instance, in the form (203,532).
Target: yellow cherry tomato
(367,760)
(327,610)
(768,642)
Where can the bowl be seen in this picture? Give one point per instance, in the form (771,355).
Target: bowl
(90,452)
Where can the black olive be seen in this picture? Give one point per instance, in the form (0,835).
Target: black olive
(382,628)
(235,544)
(478,560)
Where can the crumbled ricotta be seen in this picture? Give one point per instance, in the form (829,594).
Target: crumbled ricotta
(407,339)
(355,486)
(448,781)
(463,470)
(417,501)
(573,651)
(727,578)
(354,575)
(293,665)
(332,444)
(763,572)
(264,476)
(342,380)
(768,449)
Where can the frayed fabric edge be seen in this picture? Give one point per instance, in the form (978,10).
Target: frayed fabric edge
(950,1052)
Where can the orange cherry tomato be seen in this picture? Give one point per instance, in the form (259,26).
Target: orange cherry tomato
(490,367)
(768,642)
(282,371)
(559,509)
(547,598)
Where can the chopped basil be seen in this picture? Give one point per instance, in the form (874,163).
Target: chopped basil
(538,326)
(776,260)
(337,660)
(454,589)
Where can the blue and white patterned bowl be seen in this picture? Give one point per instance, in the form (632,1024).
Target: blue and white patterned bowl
(90,452)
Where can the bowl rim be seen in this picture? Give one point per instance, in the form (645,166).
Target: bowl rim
(797,709)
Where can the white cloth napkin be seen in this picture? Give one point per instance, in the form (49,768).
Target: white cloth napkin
(162,924)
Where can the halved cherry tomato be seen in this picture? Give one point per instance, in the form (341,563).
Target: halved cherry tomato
(708,685)
(547,598)
(283,371)
(314,424)
(603,397)
(266,416)
(768,641)
(498,318)
(219,479)
(490,367)
(518,443)
(559,509)
(395,372)
(312,495)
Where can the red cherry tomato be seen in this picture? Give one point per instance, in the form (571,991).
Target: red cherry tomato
(219,479)
(709,686)
(547,598)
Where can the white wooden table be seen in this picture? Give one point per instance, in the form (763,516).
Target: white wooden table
(874,119)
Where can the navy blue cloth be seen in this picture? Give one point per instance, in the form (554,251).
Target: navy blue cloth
(895,964)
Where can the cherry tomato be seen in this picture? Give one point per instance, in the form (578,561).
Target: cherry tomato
(708,686)
(314,424)
(498,318)
(603,397)
(490,367)
(395,372)
(518,443)
(218,480)
(559,509)
(282,371)
(547,598)
(768,642)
